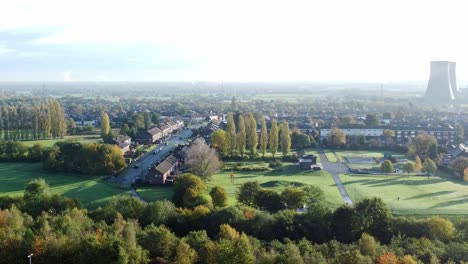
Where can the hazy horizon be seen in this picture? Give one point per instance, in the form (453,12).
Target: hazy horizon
(336,41)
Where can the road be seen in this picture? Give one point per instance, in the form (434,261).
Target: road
(335,168)
(150,159)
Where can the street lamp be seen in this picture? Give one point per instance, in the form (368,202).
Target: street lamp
(30,258)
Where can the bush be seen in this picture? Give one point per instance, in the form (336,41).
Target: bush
(275,164)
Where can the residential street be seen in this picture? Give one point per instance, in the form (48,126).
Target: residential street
(152,158)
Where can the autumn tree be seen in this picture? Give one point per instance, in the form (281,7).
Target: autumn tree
(231,136)
(460,165)
(417,164)
(264,137)
(241,136)
(274,138)
(202,160)
(420,145)
(337,137)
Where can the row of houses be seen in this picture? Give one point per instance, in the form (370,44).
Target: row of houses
(154,134)
(168,170)
(445,135)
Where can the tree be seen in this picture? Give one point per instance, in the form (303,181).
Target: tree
(433,152)
(429,166)
(241,136)
(371,120)
(459,166)
(151,237)
(337,137)
(219,196)
(187,183)
(274,139)
(373,217)
(367,245)
(184,254)
(202,160)
(465,175)
(285,138)
(313,196)
(247,193)
(264,137)
(125,130)
(417,164)
(420,145)
(269,200)
(231,134)
(441,229)
(293,198)
(389,133)
(105,125)
(219,141)
(408,167)
(386,167)
(347,120)
(252,134)
(300,141)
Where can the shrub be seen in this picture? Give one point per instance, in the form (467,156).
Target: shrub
(275,164)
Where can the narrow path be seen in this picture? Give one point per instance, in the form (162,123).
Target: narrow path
(137,195)
(335,168)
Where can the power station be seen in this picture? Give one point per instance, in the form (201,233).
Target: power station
(442,86)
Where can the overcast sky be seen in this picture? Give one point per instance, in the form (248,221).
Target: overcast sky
(325,40)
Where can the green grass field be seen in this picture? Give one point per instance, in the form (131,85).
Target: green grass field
(51,142)
(277,180)
(289,175)
(419,195)
(91,191)
(330,156)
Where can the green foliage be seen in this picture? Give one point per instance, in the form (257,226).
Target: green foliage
(187,190)
(420,145)
(247,193)
(274,137)
(386,167)
(429,166)
(263,137)
(440,228)
(218,196)
(231,134)
(105,125)
(300,141)
(293,198)
(219,141)
(408,167)
(460,165)
(159,241)
(241,136)
(371,120)
(285,138)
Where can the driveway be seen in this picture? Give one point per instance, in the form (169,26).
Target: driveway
(335,168)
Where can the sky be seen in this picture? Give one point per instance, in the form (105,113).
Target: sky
(333,40)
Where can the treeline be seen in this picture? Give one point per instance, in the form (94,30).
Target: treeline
(241,137)
(33,121)
(89,158)
(17,151)
(54,229)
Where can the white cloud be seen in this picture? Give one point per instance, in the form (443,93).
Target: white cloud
(5,50)
(337,39)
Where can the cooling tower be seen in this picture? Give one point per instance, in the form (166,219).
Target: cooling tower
(439,88)
(453,78)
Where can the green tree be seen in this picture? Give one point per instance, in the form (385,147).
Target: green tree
(274,138)
(219,141)
(429,166)
(300,141)
(184,254)
(420,145)
(252,134)
(247,193)
(408,167)
(269,200)
(264,137)
(386,167)
(241,136)
(433,152)
(368,245)
(151,238)
(459,166)
(125,130)
(441,229)
(185,182)
(285,138)
(105,125)
(292,197)
(231,134)
(371,120)
(219,196)
(373,217)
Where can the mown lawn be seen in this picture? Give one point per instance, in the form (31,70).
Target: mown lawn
(155,193)
(91,191)
(418,195)
(289,175)
(51,142)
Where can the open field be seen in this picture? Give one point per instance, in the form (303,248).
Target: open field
(277,180)
(51,142)
(418,195)
(330,156)
(289,175)
(91,191)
